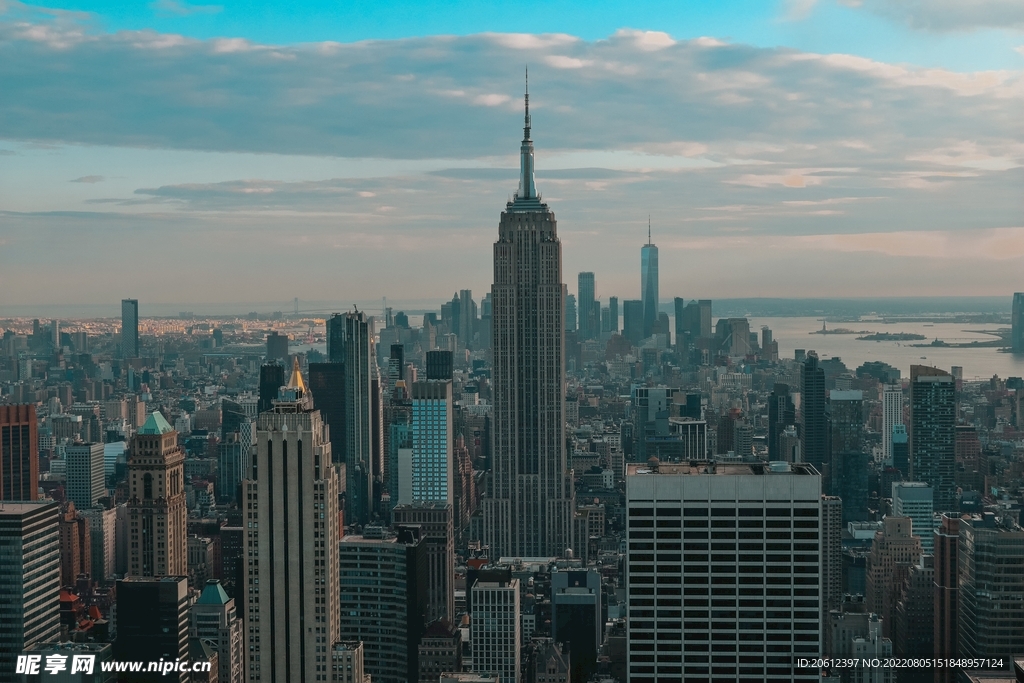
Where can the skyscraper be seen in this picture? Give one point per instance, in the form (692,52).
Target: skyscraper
(933,433)
(467,318)
(613,313)
(585,302)
(495,630)
(383,598)
(991,583)
(129,328)
(649,283)
(152,623)
(277,347)
(291,589)
(530,511)
(679,311)
(781,414)
(946,542)
(360,365)
(327,385)
(571,324)
(156,502)
(691,612)
(814,426)
(30,567)
(633,320)
(336,338)
(1017,322)
(85,474)
(892,415)
(215,620)
(914,499)
(19,453)
(271,380)
(848,458)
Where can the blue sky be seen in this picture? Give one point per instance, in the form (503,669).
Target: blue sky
(805,148)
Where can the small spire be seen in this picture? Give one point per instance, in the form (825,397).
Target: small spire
(296,381)
(526,120)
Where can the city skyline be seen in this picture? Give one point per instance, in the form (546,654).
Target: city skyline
(856,182)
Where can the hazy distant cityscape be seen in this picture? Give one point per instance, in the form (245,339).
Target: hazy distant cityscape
(325,358)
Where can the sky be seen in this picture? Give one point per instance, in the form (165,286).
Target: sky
(259,151)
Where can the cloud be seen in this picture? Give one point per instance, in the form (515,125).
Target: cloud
(797,10)
(89,179)
(176,8)
(947,15)
(416,141)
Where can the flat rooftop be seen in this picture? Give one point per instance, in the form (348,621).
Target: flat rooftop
(709,467)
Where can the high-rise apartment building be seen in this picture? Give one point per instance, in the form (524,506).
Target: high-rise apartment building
(152,623)
(914,499)
(933,433)
(848,457)
(892,415)
(85,482)
(129,328)
(19,453)
(156,502)
(1017,323)
(215,621)
(831,561)
(383,598)
(30,567)
(649,283)
(432,438)
(814,423)
(946,600)
(724,571)
(290,593)
(990,584)
(495,630)
(531,506)
(893,547)
(585,302)
(102,542)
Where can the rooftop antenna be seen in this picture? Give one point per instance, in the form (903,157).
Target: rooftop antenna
(648,228)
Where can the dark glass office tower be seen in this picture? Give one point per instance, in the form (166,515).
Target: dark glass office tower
(1017,320)
(336,338)
(932,442)
(848,461)
(271,379)
(327,384)
(129,328)
(532,504)
(781,414)
(814,427)
(613,312)
(633,320)
(439,364)
(585,302)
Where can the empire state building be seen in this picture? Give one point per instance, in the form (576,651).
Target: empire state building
(532,503)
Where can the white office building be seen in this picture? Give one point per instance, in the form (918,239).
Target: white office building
(914,499)
(724,571)
(85,474)
(495,631)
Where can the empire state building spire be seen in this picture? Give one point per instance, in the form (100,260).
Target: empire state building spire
(527,186)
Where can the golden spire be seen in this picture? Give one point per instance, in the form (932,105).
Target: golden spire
(296,381)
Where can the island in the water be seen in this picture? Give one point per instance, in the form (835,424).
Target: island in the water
(892,336)
(837,330)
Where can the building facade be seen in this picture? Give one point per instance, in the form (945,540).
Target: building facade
(495,629)
(723,560)
(932,433)
(129,328)
(291,532)
(19,453)
(531,504)
(156,504)
(85,480)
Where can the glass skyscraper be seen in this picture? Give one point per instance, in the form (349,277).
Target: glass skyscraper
(649,283)
(129,328)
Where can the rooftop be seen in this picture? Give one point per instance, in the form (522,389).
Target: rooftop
(710,467)
(155,424)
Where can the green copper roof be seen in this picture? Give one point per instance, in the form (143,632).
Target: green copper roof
(156,424)
(213,594)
